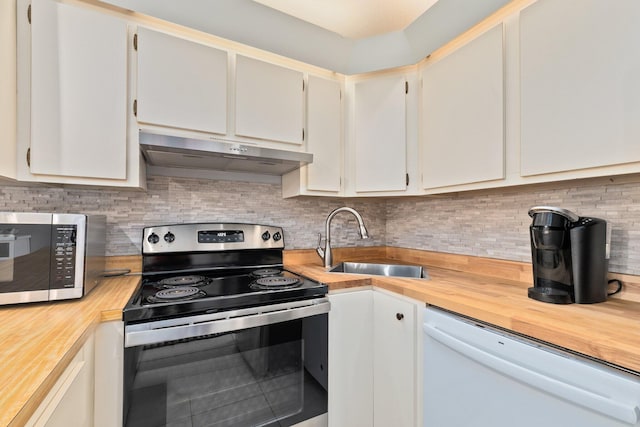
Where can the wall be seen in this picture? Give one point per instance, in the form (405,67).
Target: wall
(489,223)
(177,200)
(494,223)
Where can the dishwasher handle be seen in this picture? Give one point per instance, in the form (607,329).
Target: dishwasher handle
(627,413)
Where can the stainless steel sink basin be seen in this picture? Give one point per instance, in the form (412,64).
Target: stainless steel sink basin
(389,270)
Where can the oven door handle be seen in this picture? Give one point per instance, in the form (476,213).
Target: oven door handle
(197,326)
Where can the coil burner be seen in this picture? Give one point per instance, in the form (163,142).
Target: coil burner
(178,293)
(266,272)
(276,282)
(191,280)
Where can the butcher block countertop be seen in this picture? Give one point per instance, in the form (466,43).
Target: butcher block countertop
(495,292)
(39,340)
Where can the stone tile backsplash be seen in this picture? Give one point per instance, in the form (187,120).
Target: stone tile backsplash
(489,223)
(171,200)
(495,223)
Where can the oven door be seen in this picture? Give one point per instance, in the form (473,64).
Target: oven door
(262,366)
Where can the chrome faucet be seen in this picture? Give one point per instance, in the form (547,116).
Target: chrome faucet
(325,253)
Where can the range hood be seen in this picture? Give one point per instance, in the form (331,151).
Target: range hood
(173,151)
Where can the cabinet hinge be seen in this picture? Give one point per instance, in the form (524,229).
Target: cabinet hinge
(135,42)
(303,134)
(29,157)
(303,85)
(340,94)
(135,107)
(406,87)
(29,14)
(407,179)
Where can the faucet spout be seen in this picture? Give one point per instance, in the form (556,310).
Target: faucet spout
(326,253)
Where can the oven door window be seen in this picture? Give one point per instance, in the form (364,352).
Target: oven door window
(273,375)
(25,254)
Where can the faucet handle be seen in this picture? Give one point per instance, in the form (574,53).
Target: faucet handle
(319,249)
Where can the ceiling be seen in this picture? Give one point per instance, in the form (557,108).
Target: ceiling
(345,36)
(354,19)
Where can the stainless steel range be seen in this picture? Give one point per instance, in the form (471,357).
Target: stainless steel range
(219,333)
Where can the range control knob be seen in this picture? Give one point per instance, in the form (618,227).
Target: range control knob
(266,236)
(169,237)
(153,238)
(277,236)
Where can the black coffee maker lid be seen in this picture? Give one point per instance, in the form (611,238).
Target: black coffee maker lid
(551,209)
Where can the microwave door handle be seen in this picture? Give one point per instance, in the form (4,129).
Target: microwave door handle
(135,338)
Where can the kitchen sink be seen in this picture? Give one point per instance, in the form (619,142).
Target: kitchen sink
(389,270)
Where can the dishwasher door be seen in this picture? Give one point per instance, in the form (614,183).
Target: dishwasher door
(478,376)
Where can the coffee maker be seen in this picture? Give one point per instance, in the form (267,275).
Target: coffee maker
(570,256)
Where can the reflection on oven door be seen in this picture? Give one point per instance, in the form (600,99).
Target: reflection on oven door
(274,357)
(253,377)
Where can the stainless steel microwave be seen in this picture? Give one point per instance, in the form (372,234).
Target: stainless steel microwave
(49,256)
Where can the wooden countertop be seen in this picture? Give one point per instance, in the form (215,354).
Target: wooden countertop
(609,331)
(40,340)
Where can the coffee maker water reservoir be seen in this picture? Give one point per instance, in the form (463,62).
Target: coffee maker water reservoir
(570,256)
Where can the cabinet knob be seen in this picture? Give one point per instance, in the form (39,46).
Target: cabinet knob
(399,316)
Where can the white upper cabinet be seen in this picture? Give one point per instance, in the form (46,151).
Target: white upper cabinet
(580,91)
(78,111)
(181,83)
(380,134)
(462,118)
(269,101)
(8,89)
(324,141)
(324,134)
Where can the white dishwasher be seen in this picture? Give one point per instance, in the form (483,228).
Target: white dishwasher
(479,376)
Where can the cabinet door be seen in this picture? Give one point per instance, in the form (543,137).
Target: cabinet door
(269,101)
(70,401)
(350,360)
(8,102)
(380,134)
(324,134)
(181,83)
(78,92)
(109,360)
(394,361)
(580,92)
(463,114)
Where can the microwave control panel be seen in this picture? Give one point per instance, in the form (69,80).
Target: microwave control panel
(63,263)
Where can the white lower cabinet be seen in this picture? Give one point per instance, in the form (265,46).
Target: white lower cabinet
(351,359)
(109,348)
(373,354)
(89,391)
(71,400)
(394,361)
